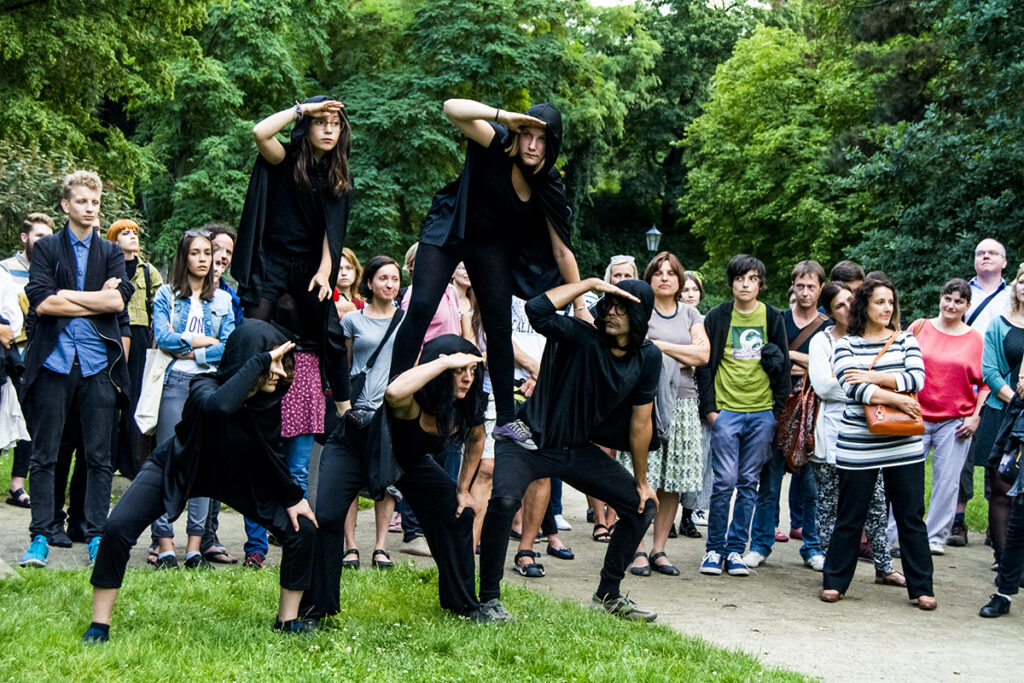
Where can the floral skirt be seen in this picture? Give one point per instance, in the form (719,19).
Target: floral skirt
(679,465)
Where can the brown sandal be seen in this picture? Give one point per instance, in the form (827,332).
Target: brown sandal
(893,578)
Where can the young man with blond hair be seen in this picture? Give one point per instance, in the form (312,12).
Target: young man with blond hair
(78,289)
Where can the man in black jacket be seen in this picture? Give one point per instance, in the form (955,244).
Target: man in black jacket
(78,289)
(742,390)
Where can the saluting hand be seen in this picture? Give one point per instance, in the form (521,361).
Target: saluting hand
(516,121)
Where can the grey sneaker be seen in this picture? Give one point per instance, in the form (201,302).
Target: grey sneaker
(518,432)
(497,610)
(622,607)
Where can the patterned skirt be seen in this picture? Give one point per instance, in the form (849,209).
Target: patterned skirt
(679,465)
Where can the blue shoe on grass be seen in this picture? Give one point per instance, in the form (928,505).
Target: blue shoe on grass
(37,553)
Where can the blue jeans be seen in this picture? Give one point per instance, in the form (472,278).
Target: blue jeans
(739,449)
(450,461)
(297,450)
(556,496)
(766,516)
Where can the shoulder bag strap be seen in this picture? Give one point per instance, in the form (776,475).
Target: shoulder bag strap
(395,319)
(808,331)
(149,290)
(986,302)
(884,348)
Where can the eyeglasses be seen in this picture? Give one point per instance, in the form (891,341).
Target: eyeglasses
(617,305)
(339,125)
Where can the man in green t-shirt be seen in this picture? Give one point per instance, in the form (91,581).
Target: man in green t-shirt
(742,390)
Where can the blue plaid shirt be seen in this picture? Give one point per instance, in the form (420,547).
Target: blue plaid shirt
(80,336)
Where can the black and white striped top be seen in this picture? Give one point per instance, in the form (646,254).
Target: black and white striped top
(857,448)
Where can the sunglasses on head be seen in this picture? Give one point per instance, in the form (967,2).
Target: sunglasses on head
(197,232)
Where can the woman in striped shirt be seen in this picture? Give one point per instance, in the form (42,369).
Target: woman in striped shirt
(874,317)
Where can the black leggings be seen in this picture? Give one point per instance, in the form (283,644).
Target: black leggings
(143,503)
(491,275)
(1011,561)
(588,470)
(431,494)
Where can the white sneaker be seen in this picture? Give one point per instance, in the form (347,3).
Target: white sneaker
(815,562)
(699,518)
(754,559)
(937,548)
(562,524)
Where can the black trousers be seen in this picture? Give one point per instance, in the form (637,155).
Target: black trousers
(143,503)
(489,270)
(69,475)
(588,470)
(286,300)
(1011,562)
(427,489)
(904,489)
(52,395)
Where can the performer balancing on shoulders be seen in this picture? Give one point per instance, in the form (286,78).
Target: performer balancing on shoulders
(507,219)
(227,446)
(292,230)
(596,385)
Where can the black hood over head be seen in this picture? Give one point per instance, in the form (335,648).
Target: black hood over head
(549,114)
(251,338)
(639,313)
(302,125)
(438,399)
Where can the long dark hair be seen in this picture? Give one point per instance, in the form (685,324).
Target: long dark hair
(453,417)
(179,273)
(859,307)
(339,179)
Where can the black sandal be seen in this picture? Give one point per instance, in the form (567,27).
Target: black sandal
(350,564)
(531,570)
(386,563)
(666,569)
(18,498)
(602,536)
(641,571)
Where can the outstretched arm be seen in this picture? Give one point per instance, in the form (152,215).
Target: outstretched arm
(561,296)
(569,271)
(471,118)
(399,393)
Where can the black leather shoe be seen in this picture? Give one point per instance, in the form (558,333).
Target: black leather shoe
(688,528)
(59,539)
(76,533)
(996,607)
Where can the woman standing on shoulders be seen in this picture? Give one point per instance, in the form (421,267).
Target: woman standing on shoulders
(874,334)
(507,219)
(292,230)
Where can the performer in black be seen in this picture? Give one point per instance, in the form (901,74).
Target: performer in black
(596,385)
(227,446)
(507,219)
(429,407)
(292,231)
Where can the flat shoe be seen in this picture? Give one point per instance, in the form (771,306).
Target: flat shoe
(640,571)
(926,603)
(666,568)
(893,578)
(830,595)
(561,553)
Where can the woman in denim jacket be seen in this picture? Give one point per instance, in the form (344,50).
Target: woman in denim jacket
(191,321)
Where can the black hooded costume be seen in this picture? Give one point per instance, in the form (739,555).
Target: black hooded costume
(279,248)
(344,465)
(585,394)
(227,446)
(480,220)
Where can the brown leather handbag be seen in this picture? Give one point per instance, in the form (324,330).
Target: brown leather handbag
(887,420)
(795,433)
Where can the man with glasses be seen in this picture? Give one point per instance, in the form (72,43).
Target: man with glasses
(596,385)
(79,289)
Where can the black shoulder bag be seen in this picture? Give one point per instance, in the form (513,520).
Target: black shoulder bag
(360,418)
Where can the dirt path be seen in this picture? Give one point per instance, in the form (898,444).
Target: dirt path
(873,634)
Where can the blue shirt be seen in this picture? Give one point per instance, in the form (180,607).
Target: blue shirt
(80,336)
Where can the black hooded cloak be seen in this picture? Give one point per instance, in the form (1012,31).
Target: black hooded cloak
(534,269)
(228,445)
(584,392)
(247,262)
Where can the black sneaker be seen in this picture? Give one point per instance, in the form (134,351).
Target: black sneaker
(497,610)
(299,626)
(622,607)
(167,562)
(76,533)
(59,539)
(996,607)
(957,535)
(197,562)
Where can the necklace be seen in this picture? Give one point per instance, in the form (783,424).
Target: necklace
(667,317)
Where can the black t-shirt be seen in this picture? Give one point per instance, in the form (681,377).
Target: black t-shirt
(585,393)
(494,212)
(131,266)
(295,221)
(1013,347)
(792,332)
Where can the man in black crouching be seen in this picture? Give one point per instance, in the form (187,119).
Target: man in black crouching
(596,385)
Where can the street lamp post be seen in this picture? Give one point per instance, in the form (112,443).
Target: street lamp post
(653,237)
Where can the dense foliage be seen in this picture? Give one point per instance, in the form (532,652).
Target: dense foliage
(889,132)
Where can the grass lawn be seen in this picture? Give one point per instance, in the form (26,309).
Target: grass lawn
(216,626)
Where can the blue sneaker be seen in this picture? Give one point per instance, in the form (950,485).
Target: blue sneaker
(711,564)
(518,432)
(37,553)
(93,548)
(735,565)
